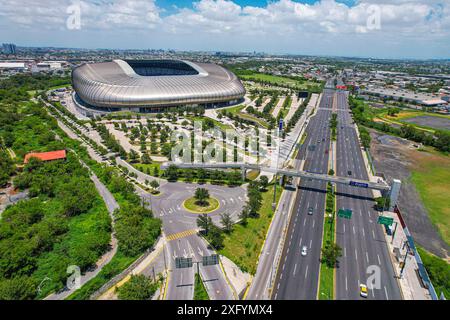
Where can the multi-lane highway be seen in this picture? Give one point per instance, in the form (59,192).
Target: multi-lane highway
(297,276)
(361,238)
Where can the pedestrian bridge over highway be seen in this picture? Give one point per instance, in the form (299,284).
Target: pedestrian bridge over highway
(381,185)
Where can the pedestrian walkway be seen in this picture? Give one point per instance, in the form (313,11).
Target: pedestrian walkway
(409,280)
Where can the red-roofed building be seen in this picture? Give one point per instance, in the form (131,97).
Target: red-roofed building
(46,156)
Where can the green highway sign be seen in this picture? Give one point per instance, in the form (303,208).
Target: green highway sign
(210,260)
(181,262)
(385,220)
(345,213)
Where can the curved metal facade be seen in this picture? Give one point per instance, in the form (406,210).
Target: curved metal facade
(117,84)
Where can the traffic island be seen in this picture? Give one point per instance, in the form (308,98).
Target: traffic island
(200,292)
(329,249)
(208,205)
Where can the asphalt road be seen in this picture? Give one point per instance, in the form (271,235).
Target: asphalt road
(360,237)
(261,286)
(180,228)
(297,277)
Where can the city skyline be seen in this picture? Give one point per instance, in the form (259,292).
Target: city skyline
(377,29)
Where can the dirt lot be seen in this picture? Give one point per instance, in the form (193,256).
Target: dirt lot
(396,158)
(429,121)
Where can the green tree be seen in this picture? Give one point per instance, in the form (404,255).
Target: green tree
(77,196)
(202,196)
(215,237)
(226,221)
(17,288)
(154,184)
(264,182)
(330,254)
(172,173)
(139,287)
(204,222)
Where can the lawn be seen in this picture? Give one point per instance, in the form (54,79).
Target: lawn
(246,116)
(431,175)
(410,114)
(244,244)
(438,270)
(200,292)
(191,205)
(326,286)
(270,78)
(218,124)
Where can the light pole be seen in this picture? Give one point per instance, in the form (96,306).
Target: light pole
(393,234)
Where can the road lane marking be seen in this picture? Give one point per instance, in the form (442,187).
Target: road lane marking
(306,273)
(180,235)
(364,234)
(356,255)
(295,269)
(385,292)
(353,229)
(346,286)
(379,261)
(373,234)
(310,243)
(367,257)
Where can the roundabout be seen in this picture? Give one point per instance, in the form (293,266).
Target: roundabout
(193,205)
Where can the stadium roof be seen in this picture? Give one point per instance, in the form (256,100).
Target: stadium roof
(144,83)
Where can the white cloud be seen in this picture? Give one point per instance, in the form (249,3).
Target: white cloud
(278,21)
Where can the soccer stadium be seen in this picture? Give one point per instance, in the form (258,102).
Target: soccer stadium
(153,86)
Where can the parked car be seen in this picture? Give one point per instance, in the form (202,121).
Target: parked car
(310,211)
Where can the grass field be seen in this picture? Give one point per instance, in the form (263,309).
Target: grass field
(200,292)
(238,112)
(244,244)
(252,174)
(278,80)
(410,114)
(438,270)
(191,205)
(218,124)
(326,285)
(431,175)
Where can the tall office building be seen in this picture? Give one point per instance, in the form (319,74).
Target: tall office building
(9,48)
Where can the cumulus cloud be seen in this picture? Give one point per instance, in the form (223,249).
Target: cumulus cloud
(278,20)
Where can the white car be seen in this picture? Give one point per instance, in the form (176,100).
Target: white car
(304,250)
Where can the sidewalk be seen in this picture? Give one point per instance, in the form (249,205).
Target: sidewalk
(410,283)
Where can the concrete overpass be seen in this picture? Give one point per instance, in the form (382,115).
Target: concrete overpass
(381,186)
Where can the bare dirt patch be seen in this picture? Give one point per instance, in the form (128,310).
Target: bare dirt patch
(396,158)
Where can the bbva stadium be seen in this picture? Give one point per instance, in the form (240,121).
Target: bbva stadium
(153,86)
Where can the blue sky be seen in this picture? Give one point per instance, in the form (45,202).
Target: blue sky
(170,5)
(363,28)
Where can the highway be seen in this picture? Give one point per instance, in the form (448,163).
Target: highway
(297,276)
(361,238)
